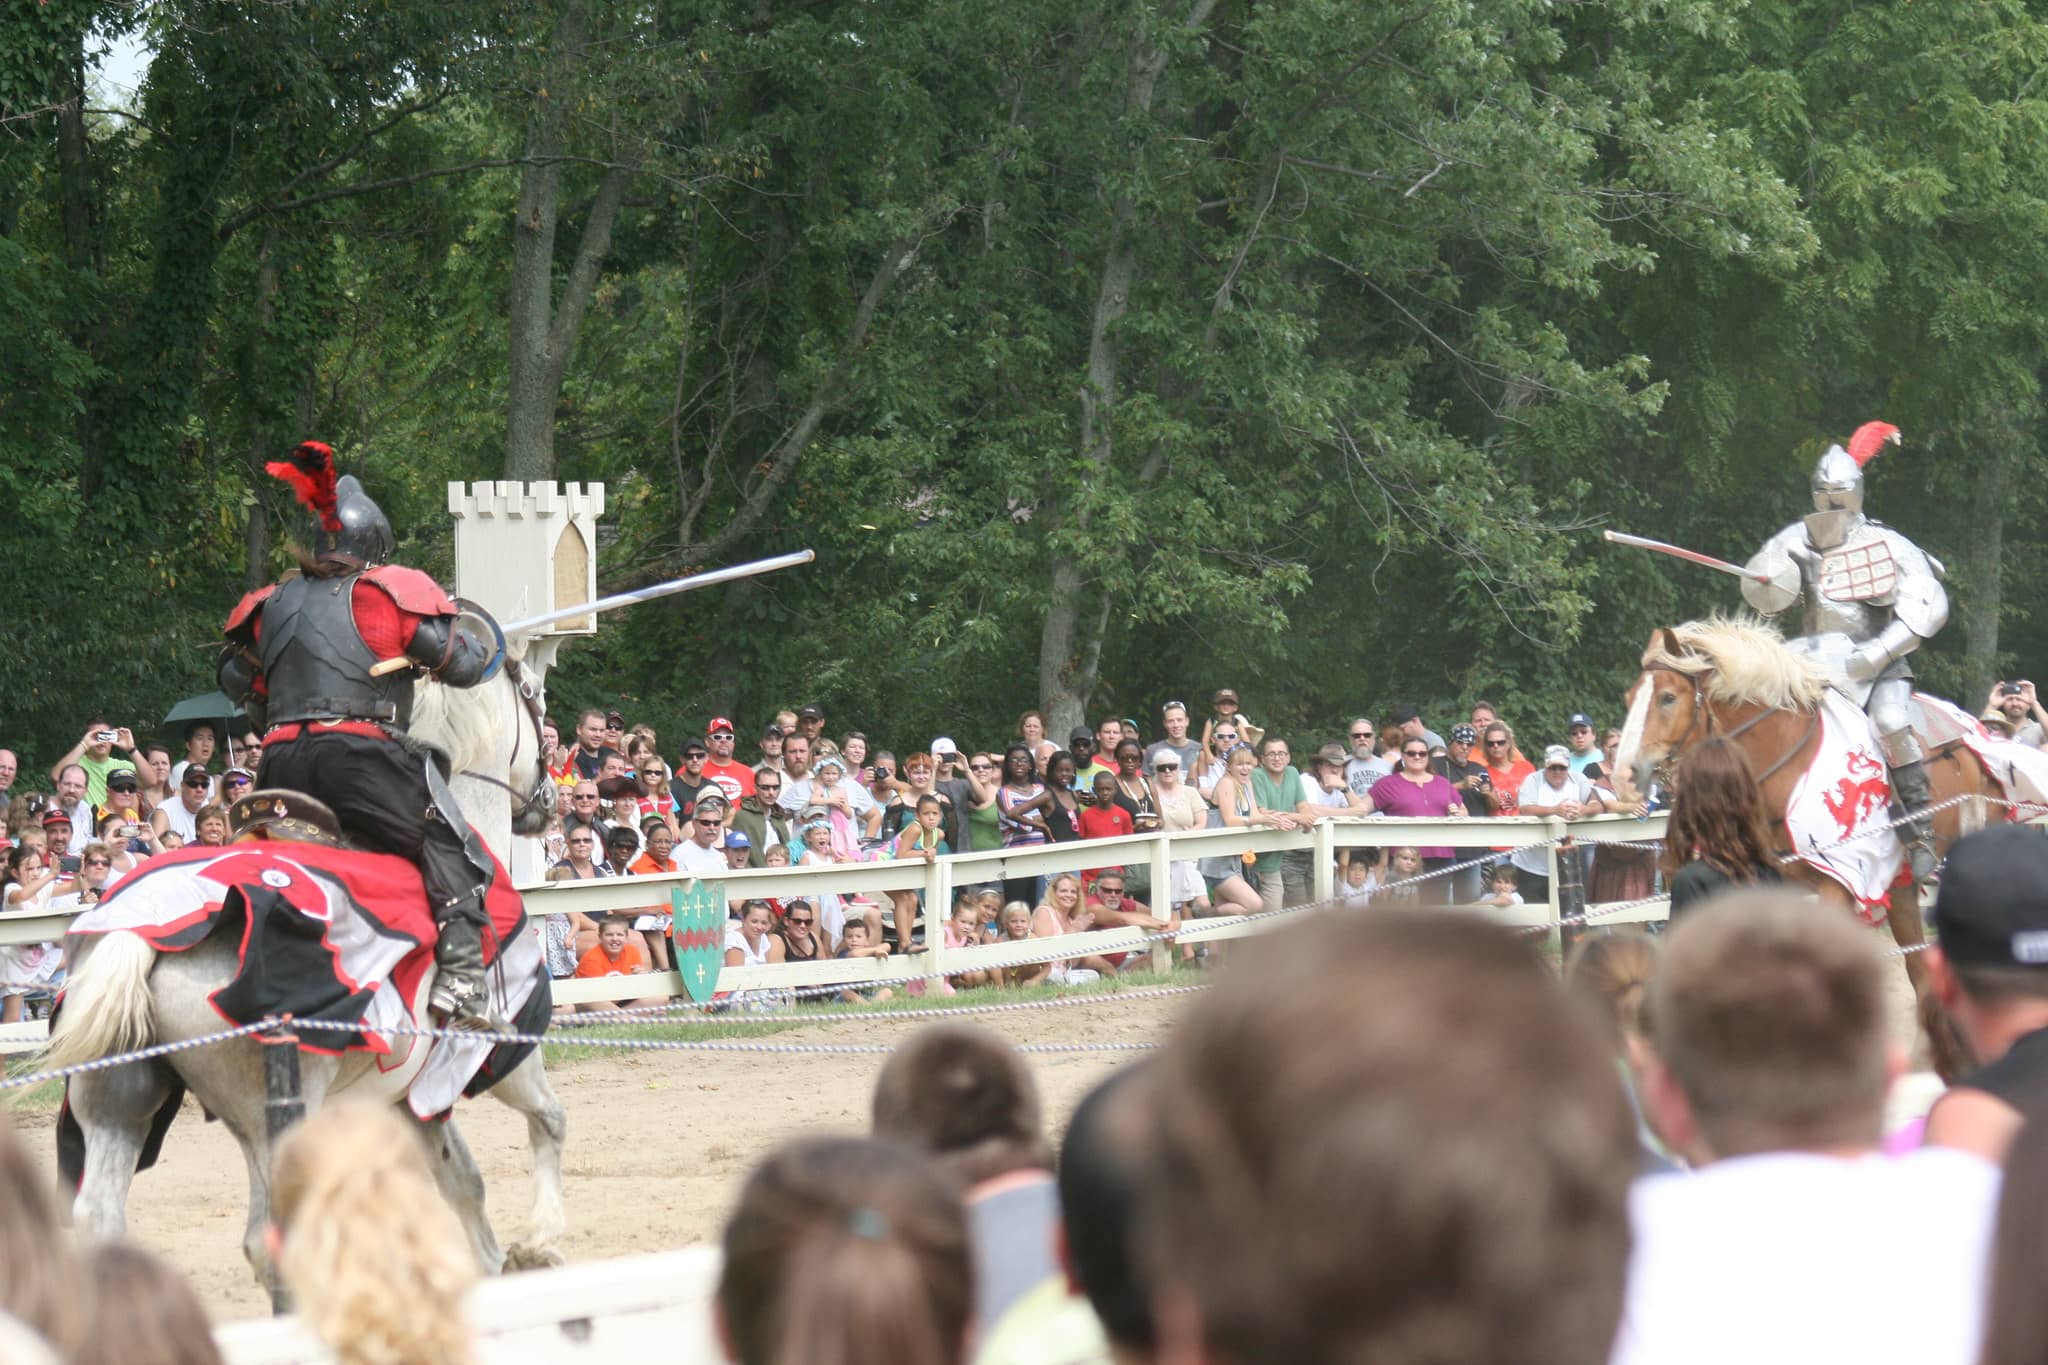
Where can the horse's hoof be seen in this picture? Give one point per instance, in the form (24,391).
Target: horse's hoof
(522,1257)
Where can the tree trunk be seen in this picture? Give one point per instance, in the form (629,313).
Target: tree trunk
(543,327)
(263,444)
(75,212)
(1070,643)
(1984,565)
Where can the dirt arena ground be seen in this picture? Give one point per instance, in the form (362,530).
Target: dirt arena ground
(658,1141)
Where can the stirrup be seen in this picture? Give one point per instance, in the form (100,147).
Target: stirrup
(462,1004)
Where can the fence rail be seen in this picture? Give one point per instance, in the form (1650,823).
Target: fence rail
(938,879)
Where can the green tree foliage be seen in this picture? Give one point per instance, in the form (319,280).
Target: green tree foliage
(1107,351)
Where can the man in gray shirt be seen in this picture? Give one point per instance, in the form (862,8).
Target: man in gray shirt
(1364,767)
(1174,715)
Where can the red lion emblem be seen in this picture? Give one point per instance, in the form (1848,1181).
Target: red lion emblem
(1867,788)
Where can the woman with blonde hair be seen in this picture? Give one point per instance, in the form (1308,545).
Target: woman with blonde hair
(377,1263)
(846,1251)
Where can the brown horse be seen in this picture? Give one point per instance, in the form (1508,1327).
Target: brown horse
(1739,682)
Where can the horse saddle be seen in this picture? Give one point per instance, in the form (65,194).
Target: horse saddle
(279,813)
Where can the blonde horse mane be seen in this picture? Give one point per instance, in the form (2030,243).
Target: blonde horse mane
(1740,661)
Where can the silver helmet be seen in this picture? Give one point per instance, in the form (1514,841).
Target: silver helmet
(1838,485)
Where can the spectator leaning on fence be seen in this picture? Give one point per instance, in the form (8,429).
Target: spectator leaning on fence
(1554,790)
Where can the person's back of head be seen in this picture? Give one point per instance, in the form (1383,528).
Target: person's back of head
(144,1313)
(1718,814)
(1611,974)
(1768,1017)
(1992,917)
(846,1251)
(1388,1137)
(1102,1170)
(964,1095)
(377,1263)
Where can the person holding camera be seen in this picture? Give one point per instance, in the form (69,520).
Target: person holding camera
(2015,699)
(94,752)
(1469,778)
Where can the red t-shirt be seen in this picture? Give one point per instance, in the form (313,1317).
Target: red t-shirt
(597,962)
(1105,822)
(1098,822)
(736,778)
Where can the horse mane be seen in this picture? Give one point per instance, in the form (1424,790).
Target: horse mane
(1742,661)
(461,723)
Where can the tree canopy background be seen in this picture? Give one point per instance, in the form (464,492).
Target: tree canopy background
(1107,351)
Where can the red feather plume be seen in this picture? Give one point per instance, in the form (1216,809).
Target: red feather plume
(1869,439)
(310,472)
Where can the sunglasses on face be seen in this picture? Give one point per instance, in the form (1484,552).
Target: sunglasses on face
(1361,734)
(1415,753)
(982,767)
(1496,744)
(712,823)
(801,921)
(768,788)
(99,862)
(1110,890)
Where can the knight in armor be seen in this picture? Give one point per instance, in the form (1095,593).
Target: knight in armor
(324,662)
(1868,598)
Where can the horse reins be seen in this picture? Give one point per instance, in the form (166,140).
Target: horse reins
(529,695)
(1700,705)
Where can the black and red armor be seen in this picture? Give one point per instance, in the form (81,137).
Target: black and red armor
(325,661)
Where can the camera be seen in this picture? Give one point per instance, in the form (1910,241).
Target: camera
(108,736)
(2008,689)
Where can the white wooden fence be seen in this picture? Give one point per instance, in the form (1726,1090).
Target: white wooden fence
(938,879)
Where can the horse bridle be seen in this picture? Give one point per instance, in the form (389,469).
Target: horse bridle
(1669,766)
(529,695)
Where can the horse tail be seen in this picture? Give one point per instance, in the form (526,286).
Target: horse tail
(107,1004)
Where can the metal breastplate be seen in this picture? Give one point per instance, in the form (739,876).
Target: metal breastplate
(315,663)
(1849,589)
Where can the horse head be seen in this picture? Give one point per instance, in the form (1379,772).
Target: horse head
(490,735)
(1663,712)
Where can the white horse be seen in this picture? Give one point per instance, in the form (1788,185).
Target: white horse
(122,995)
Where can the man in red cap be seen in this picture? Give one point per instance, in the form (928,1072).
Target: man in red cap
(736,779)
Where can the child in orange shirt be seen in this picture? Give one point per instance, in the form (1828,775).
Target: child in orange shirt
(615,955)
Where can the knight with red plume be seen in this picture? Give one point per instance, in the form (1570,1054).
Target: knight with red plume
(324,661)
(1868,597)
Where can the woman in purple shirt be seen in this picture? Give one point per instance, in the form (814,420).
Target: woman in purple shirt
(1414,790)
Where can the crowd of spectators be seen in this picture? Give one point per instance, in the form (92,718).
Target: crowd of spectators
(806,799)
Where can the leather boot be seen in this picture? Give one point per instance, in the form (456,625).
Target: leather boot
(461,998)
(1912,795)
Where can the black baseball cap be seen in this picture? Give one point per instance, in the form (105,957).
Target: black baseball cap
(1993,906)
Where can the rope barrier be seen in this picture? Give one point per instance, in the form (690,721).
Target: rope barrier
(671,1045)
(140,1055)
(690,1012)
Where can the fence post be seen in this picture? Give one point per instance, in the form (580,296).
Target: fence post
(1162,896)
(1570,892)
(283,1106)
(1555,828)
(938,908)
(1323,883)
